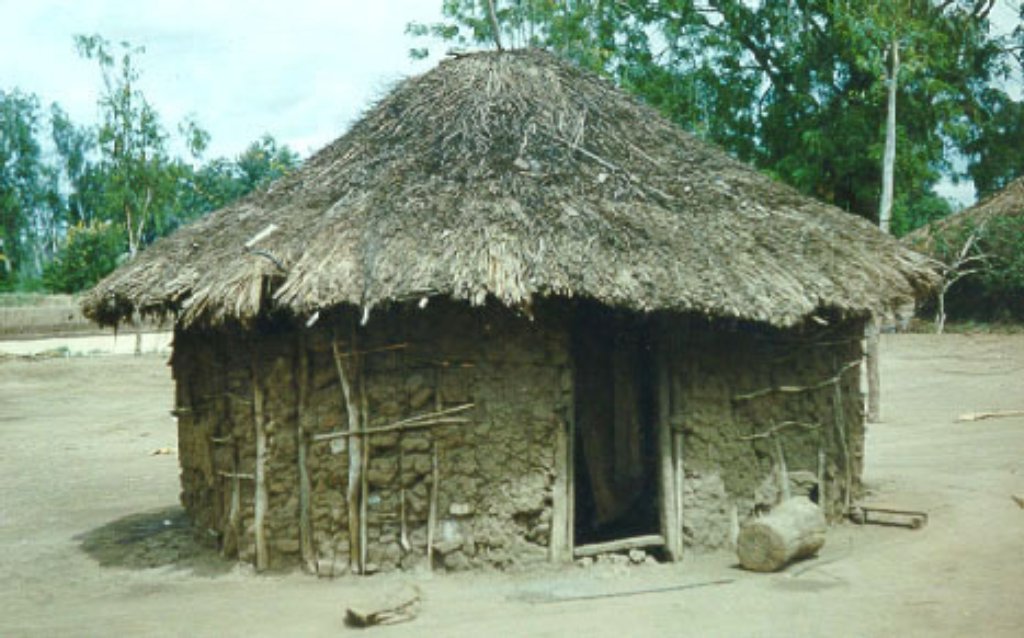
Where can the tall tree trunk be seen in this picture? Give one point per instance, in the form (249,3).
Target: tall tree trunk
(884,218)
(889,159)
(493,15)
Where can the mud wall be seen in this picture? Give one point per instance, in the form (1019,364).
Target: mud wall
(495,471)
(754,401)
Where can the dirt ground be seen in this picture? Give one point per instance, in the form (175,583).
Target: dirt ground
(92,541)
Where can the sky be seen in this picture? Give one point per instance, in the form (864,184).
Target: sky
(300,70)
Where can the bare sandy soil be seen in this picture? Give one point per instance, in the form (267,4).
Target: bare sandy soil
(92,541)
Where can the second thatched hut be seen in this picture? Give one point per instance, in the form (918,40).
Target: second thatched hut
(512,315)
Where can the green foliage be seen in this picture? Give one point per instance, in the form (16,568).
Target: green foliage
(28,190)
(219,182)
(139,178)
(90,251)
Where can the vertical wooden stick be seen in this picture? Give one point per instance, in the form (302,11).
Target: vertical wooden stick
(558,541)
(403,535)
(874,384)
(364,440)
(355,462)
(432,512)
(677,456)
(260,505)
(570,474)
(235,511)
(822,497)
(837,402)
(302,443)
(666,465)
(783,472)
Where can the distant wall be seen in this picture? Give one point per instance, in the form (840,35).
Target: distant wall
(27,316)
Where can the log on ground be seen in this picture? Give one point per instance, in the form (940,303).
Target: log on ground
(793,530)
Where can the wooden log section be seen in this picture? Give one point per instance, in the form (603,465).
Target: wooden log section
(793,530)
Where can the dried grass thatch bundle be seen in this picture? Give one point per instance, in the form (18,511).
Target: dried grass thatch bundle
(513,175)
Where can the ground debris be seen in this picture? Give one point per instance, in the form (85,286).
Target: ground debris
(995,414)
(546,597)
(397,606)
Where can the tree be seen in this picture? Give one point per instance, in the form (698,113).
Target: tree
(89,252)
(139,180)
(26,187)
(219,182)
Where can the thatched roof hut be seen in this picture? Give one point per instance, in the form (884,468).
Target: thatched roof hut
(1006,204)
(980,248)
(517,176)
(512,314)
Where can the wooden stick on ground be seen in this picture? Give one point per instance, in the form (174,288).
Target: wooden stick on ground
(995,414)
(399,607)
(631,592)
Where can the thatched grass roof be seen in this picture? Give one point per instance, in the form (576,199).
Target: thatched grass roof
(510,176)
(1006,204)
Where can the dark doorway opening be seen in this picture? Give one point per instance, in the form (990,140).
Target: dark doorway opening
(615,469)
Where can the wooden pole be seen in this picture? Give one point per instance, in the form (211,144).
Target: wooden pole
(435,476)
(558,542)
(666,465)
(570,474)
(783,471)
(493,16)
(822,495)
(874,382)
(677,457)
(364,442)
(837,403)
(235,511)
(302,443)
(260,505)
(355,463)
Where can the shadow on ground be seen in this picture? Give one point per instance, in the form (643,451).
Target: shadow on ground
(158,538)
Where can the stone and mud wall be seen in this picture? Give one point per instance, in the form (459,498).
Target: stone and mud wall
(755,404)
(757,408)
(494,460)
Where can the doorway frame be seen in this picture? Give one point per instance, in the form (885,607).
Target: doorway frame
(670,477)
